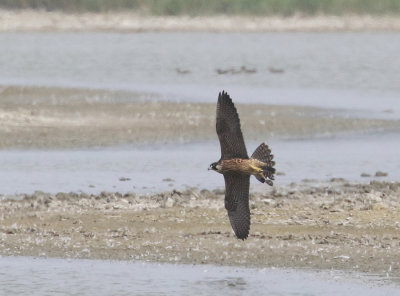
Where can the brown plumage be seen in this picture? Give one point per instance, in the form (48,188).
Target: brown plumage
(237,167)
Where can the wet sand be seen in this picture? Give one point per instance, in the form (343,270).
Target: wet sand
(333,225)
(35,20)
(46,118)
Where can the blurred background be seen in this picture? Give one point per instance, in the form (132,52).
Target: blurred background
(94,91)
(209,7)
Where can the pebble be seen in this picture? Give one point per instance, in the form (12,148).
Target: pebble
(168,180)
(169,203)
(122,179)
(381,174)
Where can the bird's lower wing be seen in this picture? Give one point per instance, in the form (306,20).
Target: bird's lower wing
(237,203)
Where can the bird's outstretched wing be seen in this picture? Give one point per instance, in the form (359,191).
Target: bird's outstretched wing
(237,203)
(228,129)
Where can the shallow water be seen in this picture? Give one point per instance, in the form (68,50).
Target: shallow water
(352,71)
(151,170)
(338,60)
(95,277)
(336,70)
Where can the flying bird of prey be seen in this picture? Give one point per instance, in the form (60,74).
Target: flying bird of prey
(237,166)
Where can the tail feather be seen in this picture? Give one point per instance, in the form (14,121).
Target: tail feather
(263,153)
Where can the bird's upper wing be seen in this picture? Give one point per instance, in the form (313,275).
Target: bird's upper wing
(228,129)
(237,203)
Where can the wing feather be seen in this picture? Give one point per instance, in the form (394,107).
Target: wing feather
(237,203)
(228,129)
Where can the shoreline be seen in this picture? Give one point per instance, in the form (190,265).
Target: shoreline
(57,118)
(43,21)
(333,225)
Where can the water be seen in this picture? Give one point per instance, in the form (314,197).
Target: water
(149,170)
(356,72)
(340,70)
(335,60)
(96,277)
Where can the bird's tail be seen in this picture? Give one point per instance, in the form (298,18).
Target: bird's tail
(263,153)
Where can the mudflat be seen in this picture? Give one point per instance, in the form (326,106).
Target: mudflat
(52,117)
(332,225)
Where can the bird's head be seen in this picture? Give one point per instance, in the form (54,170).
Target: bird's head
(215,166)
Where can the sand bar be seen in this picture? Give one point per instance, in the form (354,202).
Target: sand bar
(334,225)
(42,21)
(36,117)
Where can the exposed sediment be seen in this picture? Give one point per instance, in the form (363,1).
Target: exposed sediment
(40,117)
(45,21)
(335,225)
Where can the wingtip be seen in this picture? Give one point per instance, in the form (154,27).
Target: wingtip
(224,95)
(242,234)
(242,237)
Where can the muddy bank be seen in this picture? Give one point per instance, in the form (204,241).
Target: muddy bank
(32,117)
(43,21)
(312,225)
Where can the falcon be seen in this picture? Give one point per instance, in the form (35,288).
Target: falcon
(237,166)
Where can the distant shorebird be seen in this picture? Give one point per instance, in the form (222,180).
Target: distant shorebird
(241,70)
(180,71)
(276,70)
(247,70)
(237,167)
(223,71)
